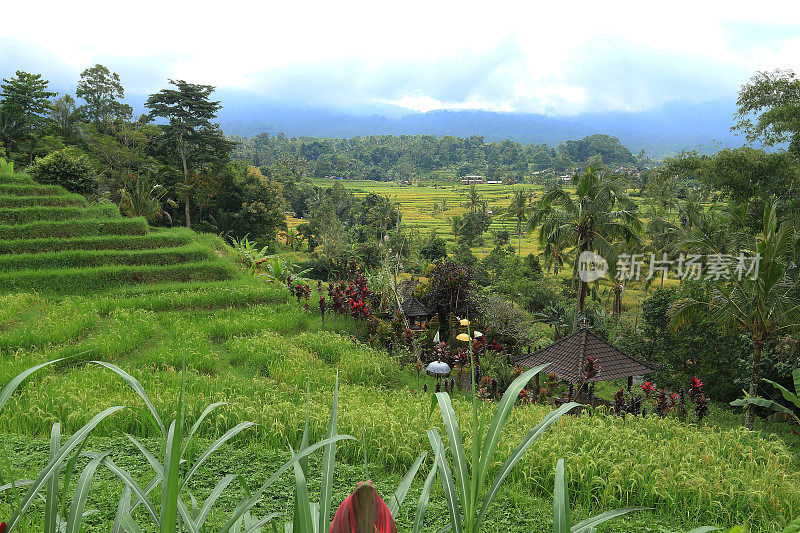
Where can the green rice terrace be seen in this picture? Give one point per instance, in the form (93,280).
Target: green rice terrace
(176,311)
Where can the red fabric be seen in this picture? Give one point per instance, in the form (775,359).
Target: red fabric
(363,512)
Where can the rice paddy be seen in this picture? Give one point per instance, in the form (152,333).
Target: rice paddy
(110,297)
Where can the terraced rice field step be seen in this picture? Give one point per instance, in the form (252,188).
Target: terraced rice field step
(30,189)
(69,280)
(57,242)
(152,240)
(74,228)
(15,178)
(64,200)
(22,215)
(95,258)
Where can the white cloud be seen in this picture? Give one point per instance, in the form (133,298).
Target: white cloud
(246,45)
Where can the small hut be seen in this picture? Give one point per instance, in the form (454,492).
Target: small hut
(415,312)
(568,355)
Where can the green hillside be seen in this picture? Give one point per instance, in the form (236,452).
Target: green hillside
(79,281)
(56,242)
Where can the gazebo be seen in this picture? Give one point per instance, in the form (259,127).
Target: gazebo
(414,311)
(568,355)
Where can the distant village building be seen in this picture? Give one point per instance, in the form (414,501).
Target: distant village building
(471,180)
(494,182)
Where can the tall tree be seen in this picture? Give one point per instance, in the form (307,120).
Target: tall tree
(102,91)
(189,134)
(600,215)
(24,107)
(763,305)
(769,109)
(64,114)
(520,209)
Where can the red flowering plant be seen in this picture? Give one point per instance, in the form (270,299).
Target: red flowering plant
(648,388)
(620,405)
(322,306)
(662,404)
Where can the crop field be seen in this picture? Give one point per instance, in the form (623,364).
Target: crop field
(417,208)
(417,205)
(171,307)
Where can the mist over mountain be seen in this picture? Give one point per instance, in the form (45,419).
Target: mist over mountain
(660,132)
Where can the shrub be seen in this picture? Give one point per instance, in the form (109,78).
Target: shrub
(68,168)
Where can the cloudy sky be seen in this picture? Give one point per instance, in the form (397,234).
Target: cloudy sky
(556,58)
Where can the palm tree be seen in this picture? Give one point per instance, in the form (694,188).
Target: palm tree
(520,209)
(762,305)
(601,214)
(474,199)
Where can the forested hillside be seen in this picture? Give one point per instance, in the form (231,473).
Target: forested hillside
(389,157)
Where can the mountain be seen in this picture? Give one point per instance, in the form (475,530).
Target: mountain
(659,132)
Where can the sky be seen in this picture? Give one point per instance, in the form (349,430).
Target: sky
(560,58)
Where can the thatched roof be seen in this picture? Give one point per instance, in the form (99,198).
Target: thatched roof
(567,356)
(413,307)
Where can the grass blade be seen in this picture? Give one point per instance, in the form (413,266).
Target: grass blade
(519,451)
(138,389)
(402,489)
(328,464)
(214,447)
(9,389)
(255,526)
(81,494)
(456,448)
(207,411)
(56,462)
(447,480)
(131,483)
(594,521)
(250,502)
(219,488)
(171,479)
(561,510)
(51,499)
(424,498)
(129,525)
(302,507)
(123,508)
(499,419)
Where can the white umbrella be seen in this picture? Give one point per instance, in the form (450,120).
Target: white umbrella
(438,367)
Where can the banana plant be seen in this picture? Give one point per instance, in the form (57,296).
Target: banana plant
(789,396)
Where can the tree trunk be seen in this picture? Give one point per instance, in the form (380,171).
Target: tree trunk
(188,196)
(755,370)
(187,210)
(583,288)
(519,233)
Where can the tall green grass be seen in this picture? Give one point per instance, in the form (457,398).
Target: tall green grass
(24,215)
(66,281)
(40,201)
(96,258)
(74,228)
(103,242)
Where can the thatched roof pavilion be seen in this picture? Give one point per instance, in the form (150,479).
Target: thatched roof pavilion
(568,355)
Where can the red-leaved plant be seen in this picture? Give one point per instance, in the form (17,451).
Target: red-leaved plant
(364,511)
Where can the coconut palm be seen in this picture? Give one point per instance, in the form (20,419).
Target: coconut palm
(600,215)
(761,304)
(520,209)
